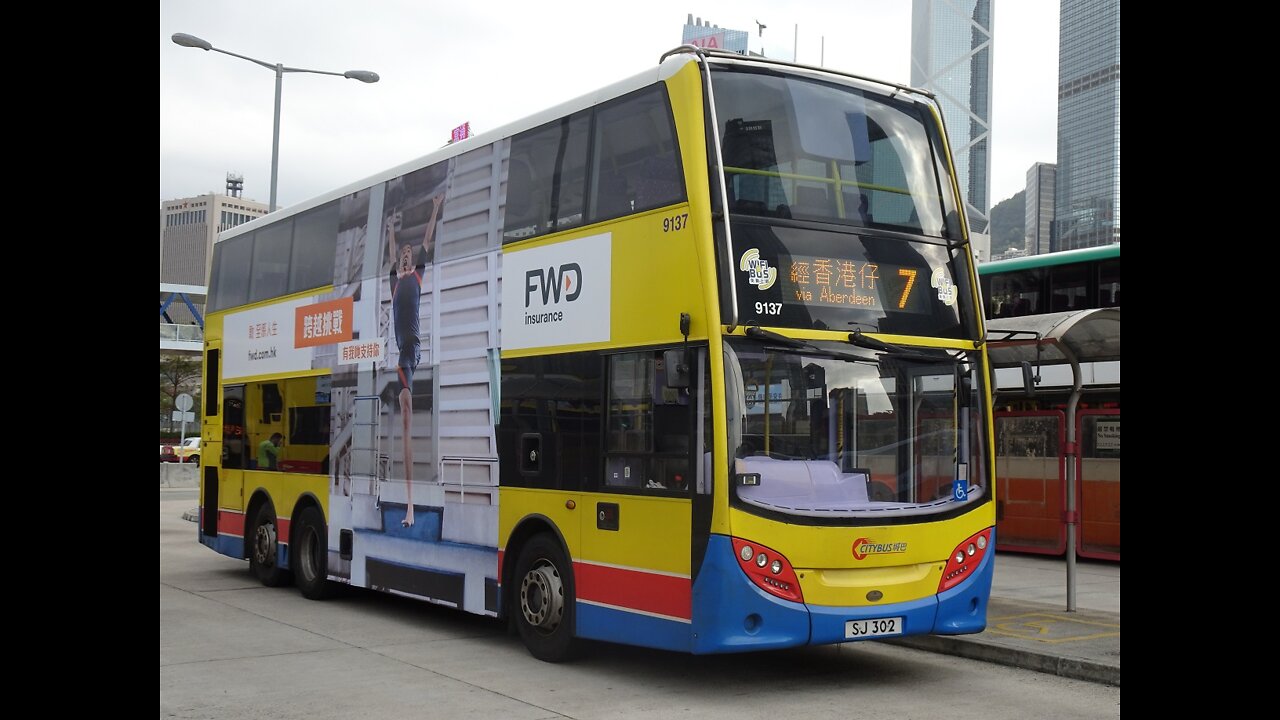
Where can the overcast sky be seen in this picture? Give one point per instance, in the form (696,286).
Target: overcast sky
(489,63)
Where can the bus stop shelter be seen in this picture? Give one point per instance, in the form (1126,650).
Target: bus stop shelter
(1066,338)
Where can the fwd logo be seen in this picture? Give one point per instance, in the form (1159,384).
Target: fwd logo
(553,282)
(543,301)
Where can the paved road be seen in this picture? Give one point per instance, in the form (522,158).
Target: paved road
(230,648)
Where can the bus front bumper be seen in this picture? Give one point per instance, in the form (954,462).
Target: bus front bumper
(731,614)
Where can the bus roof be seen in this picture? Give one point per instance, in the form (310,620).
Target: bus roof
(670,63)
(1062,257)
(642,79)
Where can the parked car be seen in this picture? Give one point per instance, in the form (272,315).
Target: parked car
(167,454)
(189,451)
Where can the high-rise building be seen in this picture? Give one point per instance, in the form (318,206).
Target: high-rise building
(1038,229)
(188,229)
(951,44)
(1087,209)
(703,34)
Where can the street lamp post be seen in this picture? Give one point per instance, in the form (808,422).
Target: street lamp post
(364,76)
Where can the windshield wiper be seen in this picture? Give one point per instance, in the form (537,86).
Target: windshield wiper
(857,338)
(760,333)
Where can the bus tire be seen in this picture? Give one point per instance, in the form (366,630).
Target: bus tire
(310,555)
(264,548)
(543,599)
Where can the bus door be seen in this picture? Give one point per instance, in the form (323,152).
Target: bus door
(235,451)
(1030,481)
(211,442)
(1098,484)
(633,575)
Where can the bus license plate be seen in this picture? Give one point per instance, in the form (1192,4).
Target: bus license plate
(875,627)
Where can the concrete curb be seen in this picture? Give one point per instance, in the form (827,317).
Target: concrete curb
(179,475)
(975,648)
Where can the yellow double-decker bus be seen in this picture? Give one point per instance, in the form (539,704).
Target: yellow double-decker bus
(693,362)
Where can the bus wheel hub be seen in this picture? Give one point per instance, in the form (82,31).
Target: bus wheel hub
(264,544)
(542,597)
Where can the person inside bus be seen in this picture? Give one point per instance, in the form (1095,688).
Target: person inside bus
(269,451)
(406,291)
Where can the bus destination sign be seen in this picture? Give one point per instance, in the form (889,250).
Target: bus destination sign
(854,284)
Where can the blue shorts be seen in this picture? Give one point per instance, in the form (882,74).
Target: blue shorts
(409,359)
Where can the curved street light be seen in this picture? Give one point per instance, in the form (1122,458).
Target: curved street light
(364,76)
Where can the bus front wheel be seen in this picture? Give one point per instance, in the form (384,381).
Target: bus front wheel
(264,548)
(544,603)
(310,555)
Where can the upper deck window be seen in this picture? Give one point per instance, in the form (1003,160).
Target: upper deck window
(806,149)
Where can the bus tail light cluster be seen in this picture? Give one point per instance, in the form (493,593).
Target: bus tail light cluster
(768,569)
(965,559)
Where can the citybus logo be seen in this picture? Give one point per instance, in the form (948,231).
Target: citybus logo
(566,279)
(862,547)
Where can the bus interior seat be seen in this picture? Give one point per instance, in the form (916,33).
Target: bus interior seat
(812,200)
(612,198)
(742,205)
(748,194)
(658,182)
(524,206)
(671,426)
(855,206)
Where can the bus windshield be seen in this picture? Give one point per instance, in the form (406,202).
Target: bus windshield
(833,431)
(811,149)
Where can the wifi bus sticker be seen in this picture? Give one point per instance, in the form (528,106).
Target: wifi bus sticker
(760,273)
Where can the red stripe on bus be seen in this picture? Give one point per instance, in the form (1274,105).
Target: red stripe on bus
(230,523)
(634,589)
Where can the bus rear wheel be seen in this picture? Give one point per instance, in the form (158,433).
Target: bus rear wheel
(544,602)
(264,548)
(310,555)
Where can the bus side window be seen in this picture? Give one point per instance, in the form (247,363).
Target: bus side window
(547,177)
(635,166)
(522,207)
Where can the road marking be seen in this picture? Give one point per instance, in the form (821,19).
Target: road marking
(1046,628)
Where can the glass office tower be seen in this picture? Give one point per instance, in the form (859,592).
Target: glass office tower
(951,42)
(1087,206)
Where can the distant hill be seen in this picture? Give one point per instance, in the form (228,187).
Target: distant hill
(1008,223)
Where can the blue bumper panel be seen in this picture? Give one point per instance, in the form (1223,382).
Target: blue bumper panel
(599,622)
(963,609)
(731,614)
(828,622)
(228,545)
